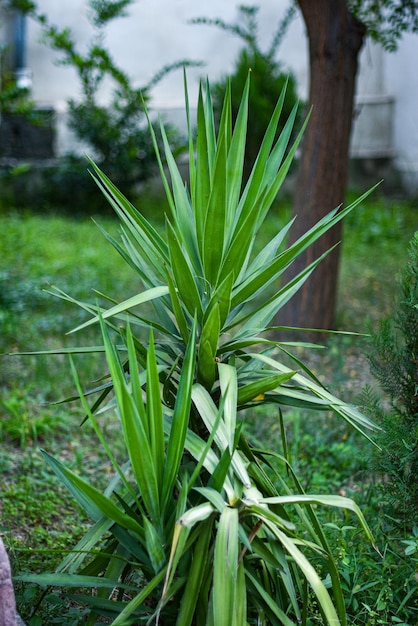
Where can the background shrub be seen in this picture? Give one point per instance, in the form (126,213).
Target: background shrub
(268,77)
(116,132)
(393,360)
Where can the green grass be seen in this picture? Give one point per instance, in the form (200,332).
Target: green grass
(40,251)
(374,249)
(39,520)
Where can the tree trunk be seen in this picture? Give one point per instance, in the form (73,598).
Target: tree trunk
(335,39)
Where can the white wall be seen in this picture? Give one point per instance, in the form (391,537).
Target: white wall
(402,79)
(157,32)
(372,134)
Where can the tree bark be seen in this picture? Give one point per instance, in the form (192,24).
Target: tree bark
(335,39)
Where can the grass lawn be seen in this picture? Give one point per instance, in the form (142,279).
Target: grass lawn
(38,519)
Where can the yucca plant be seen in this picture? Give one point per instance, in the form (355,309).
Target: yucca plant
(198,527)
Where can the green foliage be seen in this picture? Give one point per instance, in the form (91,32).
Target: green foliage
(378,589)
(393,362)
(116,131)
(268,77)
(13,99)
(387,20)
(105,10)
(25,421)
(197,526)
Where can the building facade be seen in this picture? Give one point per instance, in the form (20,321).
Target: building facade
(159,32)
